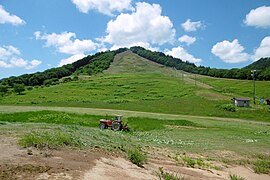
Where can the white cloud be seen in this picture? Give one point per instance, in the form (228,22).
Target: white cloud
(187,39)
(262,51)
(9,57)
(33,64)
(103,6)
(230,52)
(4,64)
(71,59)
(18,62)
(7,18)
(145,27)
(190,26)
(8,51)
(66,43)
(181,53)
(259,17)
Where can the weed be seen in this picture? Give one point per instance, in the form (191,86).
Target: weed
(235,177)
(191,162)
(164,175)
(137,157)
(262,166)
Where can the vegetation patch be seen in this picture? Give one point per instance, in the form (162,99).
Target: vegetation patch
(49,140)
(52,117)
(235,177)
(136,157)
(228,107)
(262,166)
(118,101)
(165,175)
(192,162)
(148,124)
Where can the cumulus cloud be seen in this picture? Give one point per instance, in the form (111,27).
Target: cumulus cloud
(144,27)
(103,6)
(187,39)
(259,17)
(190,26)
(7,18)
(71,59)
(181,53)
(9,57)
(8,51)
(262,51)
(67,43)
(33,64)
(230,52)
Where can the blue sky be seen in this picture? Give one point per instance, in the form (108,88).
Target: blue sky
(37,35)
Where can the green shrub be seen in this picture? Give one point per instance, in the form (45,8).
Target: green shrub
(168,176)
(136,157)
(235,177)
(194,162)
(50,140)
(262,166)
(228,107)
(29,88)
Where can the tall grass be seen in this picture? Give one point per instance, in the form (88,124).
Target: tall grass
(50,140)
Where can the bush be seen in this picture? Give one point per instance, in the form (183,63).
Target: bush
(235,177)
(136,157)
(168,176)
(29,88)
(262,166)
(193,162)
(228,107)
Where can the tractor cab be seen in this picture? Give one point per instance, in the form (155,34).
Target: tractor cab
(117,118)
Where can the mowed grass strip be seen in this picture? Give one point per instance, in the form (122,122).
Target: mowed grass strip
(135,123)
(52,117)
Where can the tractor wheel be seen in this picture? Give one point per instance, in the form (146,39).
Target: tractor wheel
(102,126)
(116,126)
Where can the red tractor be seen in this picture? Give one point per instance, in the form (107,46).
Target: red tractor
(114,123)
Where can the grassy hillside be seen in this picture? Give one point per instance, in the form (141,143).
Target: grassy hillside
(134,83)
(242,88)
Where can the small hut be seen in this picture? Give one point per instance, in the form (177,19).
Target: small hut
(241,102)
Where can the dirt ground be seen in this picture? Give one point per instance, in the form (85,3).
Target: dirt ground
(96,164)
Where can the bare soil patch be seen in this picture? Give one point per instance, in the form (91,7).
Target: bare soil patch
(20,163)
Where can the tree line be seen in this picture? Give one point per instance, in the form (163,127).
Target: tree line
(89,65)
(262,66)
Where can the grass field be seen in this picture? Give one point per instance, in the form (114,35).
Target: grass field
(138,92)
(153,88)
(189,135)
(208,138)
(240,88)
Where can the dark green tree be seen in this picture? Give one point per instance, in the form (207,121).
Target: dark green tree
(3,90)
(18,88)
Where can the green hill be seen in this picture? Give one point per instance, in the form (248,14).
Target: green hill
(135,83)
(261,64)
